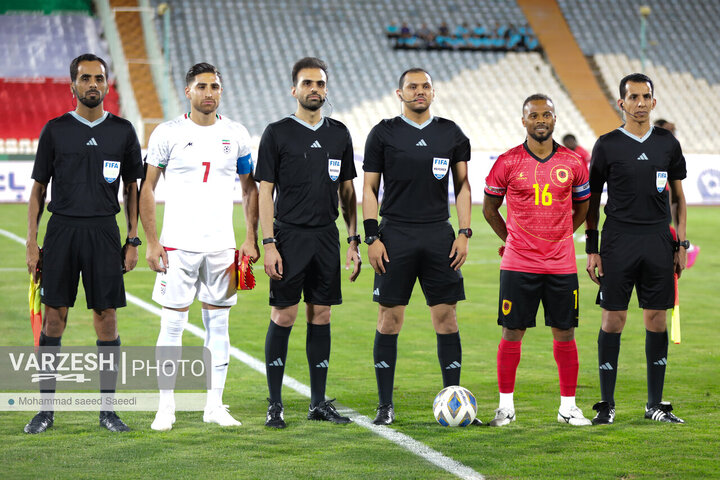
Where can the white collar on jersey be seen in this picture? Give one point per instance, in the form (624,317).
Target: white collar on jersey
(307,125)
(635,137)
(417,125)
(88,122)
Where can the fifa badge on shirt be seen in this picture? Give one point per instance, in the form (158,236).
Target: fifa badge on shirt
(333,168)
(111,170)
(661,181)
(226,146)
(440,167)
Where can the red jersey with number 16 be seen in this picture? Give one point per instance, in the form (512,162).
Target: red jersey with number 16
(540,195)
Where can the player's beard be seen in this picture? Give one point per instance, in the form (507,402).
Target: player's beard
(312,105)
(541,138)
(90,102)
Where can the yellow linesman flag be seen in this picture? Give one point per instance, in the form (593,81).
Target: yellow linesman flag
(34,298)
(675,325)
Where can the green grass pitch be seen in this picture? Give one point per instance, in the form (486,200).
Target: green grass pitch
(534,447)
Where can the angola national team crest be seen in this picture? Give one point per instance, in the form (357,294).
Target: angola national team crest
(111,170)
(334,168)
(440,167)
(506,306)
(661,181)
(226,146)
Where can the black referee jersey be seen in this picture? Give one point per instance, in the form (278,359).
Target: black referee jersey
(85,161)
(306,163)
(415,162)
(636,171)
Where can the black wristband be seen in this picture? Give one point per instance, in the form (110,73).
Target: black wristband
(371,227)
(591,241)
(267,240)
(354,238)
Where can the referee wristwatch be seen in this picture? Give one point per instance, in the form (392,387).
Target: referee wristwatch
(265,241)
(134,241)
(354,238)
(370,239)
(465,231)
(685,244)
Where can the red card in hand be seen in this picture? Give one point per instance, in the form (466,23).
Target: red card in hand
(246,279)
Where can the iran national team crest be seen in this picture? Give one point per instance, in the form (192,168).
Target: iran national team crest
(661,181)
(440,167)
(226,146)
(111,170)
(334,168)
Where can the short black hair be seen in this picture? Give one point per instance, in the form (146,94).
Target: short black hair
(661,122)
(85,57)
(534,97)
(308,62)
(401,81)
(635,78)
(199,68)
(569,137)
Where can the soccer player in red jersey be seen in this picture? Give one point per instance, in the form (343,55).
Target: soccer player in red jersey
(546,186)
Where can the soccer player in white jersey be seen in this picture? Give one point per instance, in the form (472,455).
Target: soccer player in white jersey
(199,154)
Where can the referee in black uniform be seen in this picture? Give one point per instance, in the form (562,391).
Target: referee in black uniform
(85,153)
(643,168)
(305,159)
(414,154)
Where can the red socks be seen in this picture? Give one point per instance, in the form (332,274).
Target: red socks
(508,358)
(566,357)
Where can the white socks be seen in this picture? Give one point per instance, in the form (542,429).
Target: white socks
(172,325)
(506,401)
(217,340)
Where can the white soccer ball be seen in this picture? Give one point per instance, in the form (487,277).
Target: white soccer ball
(455,406)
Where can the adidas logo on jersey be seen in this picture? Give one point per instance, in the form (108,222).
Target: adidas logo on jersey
(376,291)
(421,143)
(382,364)
(316,144)
(92,142)
(453,365)
(323,364)
(606,366)
(276,363)
(661,362)
(643,157)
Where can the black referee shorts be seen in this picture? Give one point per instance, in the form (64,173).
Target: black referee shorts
(521,293)
(418,251)
(644,261)
(311,265)
(89,245)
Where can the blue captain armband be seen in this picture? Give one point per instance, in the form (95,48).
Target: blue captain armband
(244,165)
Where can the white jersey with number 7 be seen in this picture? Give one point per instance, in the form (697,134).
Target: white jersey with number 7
(201,165)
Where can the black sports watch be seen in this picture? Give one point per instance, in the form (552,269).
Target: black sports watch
(269,240)
(354,238)
(685,244)
(134,241)
(370,239)
(465,231)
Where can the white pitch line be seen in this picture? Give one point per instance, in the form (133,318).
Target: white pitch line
(408,443)
(413,446)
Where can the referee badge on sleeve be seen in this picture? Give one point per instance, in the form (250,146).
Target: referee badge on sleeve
(334,168)
(661,181)
(440,167)
(111,170)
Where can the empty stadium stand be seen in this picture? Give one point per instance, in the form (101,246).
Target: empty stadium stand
(683,58)
(34,76)
(255,43)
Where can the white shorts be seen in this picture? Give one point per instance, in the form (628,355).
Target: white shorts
(209,276)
